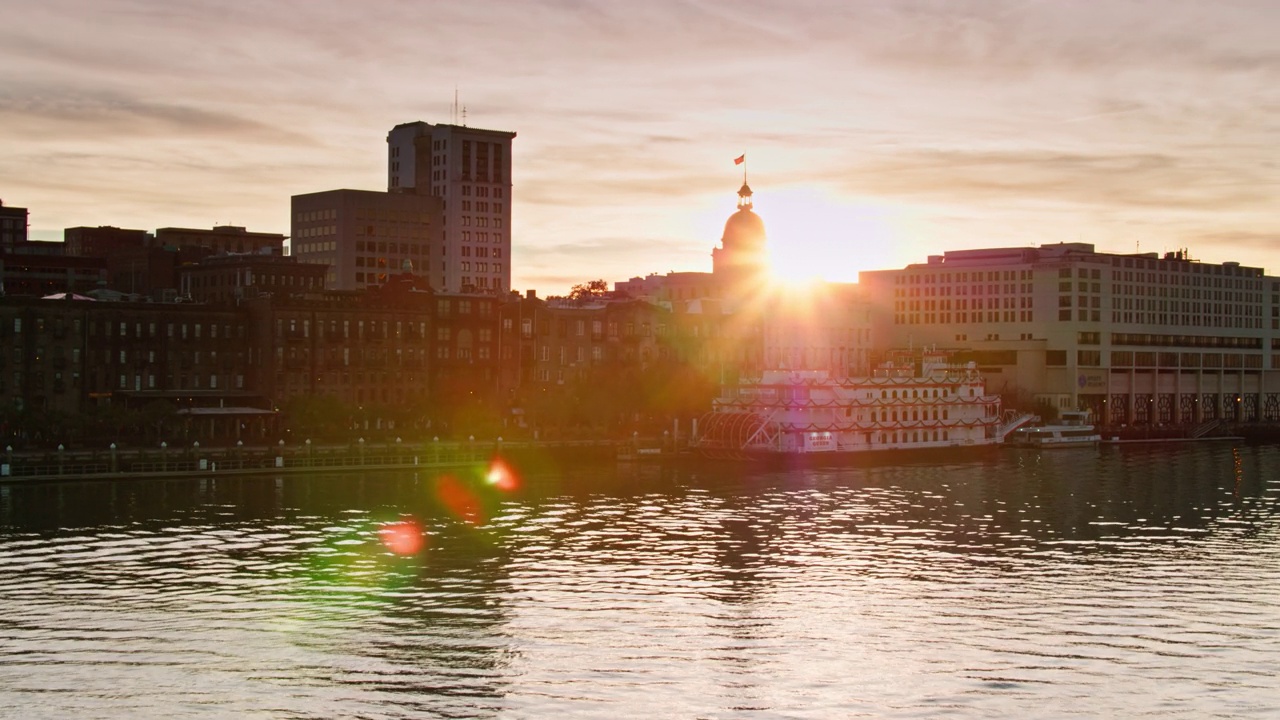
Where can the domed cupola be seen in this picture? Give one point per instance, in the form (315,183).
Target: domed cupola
(742,247)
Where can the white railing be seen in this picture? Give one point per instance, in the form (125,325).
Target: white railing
(1013,422)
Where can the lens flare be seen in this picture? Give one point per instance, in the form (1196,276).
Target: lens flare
(459,500)
(403,537)
(502,477)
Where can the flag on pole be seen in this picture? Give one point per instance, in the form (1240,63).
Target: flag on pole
(740,159)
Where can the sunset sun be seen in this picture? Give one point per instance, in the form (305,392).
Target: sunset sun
(814,235)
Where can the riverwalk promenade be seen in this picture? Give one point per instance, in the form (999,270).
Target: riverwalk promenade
(169,461)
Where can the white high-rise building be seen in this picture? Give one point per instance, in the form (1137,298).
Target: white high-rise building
(469,169)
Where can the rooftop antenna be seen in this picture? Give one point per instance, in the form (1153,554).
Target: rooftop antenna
(464,116)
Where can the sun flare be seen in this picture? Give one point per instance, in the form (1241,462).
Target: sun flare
(816,236)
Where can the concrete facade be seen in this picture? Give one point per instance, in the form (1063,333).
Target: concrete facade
(366,237)
(1137,339)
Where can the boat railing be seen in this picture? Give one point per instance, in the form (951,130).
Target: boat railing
(1013,421)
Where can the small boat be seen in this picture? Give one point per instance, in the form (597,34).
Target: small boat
(1072,430)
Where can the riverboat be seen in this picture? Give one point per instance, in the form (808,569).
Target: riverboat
(901,409)
(1072,430)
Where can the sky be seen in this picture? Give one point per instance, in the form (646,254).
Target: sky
(876,133)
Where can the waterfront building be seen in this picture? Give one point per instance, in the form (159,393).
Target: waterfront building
(596,361)
(13,225)
(398,351)
(102,241)
(151,272)
(469,170)
(361,348)
(221,239)
(71,355)
(39,269)
(232,278)
(1141,339)
(367,237)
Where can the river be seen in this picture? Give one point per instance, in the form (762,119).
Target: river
(1118,582)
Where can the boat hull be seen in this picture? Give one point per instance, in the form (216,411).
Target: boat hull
(888,456)
(1061,445)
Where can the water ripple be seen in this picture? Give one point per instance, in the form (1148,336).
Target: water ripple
(1119,583)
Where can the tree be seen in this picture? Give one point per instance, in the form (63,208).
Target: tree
(589,290)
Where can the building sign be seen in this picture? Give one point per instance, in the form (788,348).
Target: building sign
(1092,382)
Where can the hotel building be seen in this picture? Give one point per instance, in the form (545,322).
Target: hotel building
(1137,339)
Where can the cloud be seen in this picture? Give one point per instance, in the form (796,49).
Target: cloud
(60,113)
(1143,180)
(1235,239)
(974,118)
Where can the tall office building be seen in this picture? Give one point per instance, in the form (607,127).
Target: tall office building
(469,169)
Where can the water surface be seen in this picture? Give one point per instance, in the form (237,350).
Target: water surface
(1109,583)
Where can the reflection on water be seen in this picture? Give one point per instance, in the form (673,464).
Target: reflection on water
(1107,583)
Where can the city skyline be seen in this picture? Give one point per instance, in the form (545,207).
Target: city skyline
(875,135)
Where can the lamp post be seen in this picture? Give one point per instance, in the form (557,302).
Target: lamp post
(61,458)
(360,445)
(114,466)
(164,456)
(307,442)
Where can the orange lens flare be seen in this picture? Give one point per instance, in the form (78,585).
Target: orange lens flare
(459,500)
(403,537)
(502,477)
